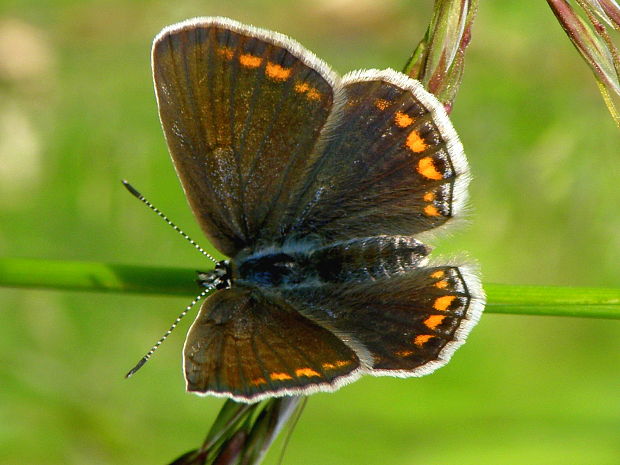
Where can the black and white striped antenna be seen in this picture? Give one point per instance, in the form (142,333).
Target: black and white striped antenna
(143,199)
(145,359)
(148,355)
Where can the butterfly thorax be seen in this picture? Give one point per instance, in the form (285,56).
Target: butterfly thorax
(272,266)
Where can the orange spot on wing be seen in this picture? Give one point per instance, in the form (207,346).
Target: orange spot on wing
(308,372)
(280,376)
(429,197)
(438,274)
(431,210)
(441,284)
(311,92)
(404,353)
(250,61)
(422,339)
(258,381)
(302,87)
(403,119)
(416,143)
(442,303)
(226,52)
(434,320)
(277,72)
(336,364)
(382,104)
(426,167)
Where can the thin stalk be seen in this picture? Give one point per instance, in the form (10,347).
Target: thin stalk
(96,277)
(243,433)
(586,302)
(587,28)
(438,60)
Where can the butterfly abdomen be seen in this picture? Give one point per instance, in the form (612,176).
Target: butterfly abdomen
(296,264)
(368,258)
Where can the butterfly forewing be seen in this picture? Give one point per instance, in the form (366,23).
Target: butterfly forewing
(242,110)
(392,164)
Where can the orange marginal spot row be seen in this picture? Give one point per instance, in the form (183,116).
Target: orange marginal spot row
(434,320)
(415,143)
(226,52)
(305,88)
(404,353)
(280,376)
(250,61)
(426,167)
(429,197)
(272,70)
(308,372)
(443,303)
(277,72)
(431,210)
(336,364)
(382,104)
(403,120)
(258,381)
(438,274)
(422,339)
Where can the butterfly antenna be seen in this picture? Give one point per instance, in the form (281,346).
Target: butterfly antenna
(140,197)
(148,355)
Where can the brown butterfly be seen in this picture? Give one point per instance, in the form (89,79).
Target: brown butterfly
(319,188)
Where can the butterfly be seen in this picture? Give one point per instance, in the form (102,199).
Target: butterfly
(320,189)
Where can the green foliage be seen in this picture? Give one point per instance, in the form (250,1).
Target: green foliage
(81,117)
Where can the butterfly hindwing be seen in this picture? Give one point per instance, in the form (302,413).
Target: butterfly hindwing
(247,346)
(242,109)
(410,321)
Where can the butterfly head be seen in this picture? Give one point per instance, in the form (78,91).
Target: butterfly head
(219,277)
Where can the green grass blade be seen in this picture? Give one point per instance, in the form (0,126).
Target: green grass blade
(587,302)
(96,276)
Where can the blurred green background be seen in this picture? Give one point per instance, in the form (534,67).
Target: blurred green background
(77,114)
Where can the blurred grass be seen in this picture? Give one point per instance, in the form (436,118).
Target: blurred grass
(77,114)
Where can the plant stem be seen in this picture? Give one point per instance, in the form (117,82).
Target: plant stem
(105,277)
(96,277)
